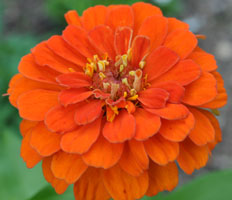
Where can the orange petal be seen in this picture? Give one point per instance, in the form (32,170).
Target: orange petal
(141,12)
(175,90)
(61,119)
(87,112)
(134,159)
(61,48)
(160,150)
(29,155)
(171,111)
(192,157)
(216,126)
(59,185)
(120,16)
(26,126)
(90,186)
(159,61)
(28,68)
(201,91)
(162,178)
(121,129)
(72,96)
(45,57)
(203,131)
(205,60)
(33,105)
(103,154)
(68,167)
(182,41)
(185,72)
(77,38)
(147,124)
(102,38)
(123,186)
(140,49)
(94,16)
(154,27)
(153,97)
(221,99)
(74,80)
(177,130)
(72,18)
(122,40)
(80,140)
(175,24)
(43,141)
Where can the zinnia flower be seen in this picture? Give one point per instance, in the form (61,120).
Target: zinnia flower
(116,102)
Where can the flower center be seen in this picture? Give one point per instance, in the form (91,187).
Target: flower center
(118,78)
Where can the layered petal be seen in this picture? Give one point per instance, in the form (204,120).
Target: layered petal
(175,24)
(72,18)
(26,126)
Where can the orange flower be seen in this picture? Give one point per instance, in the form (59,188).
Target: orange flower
(116,101)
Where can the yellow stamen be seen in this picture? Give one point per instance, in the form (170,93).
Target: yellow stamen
(102,75)
(125,94)
(129,53)
(133,98)
(115,109)
(124,59)
(132,73)
(142,64)
(121,68)
(101,66)
(89,69)
(125,82)
(71,69)
(96,58)
(133,92)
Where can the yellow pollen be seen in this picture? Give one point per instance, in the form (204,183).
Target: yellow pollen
(125,81)
(115,109)
(95,58)
(133,92)
(71,69)
(142,64)
(102,75)
(125,94)
(124,59)
(89,69)
(121,68)
(129,53)
(101,65)
(133,98)
(132,73)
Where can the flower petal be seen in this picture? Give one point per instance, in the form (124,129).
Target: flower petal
(68,167)
(87,112)
(192,157)
(175,24)
(162,178)
(160,150)
(147,124)
(153,97)
(103,154)
(61,119)
(182,41)
(33,105)
(159,61)
(43,141)
(177,130)
(201,91)
(94,16)
(123,186)
(72,18)
(154,27)
(121,129)
(203,131)
(80,140)
(26,126)
(60,186)
(90,186)
(134,159)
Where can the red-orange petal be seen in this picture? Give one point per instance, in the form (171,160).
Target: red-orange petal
(159,61)
(68,167)
(43,141)
(147,124)
(160,150)
(26,126)
(33,105)
(154,27)
(61,119)
(122,40)
(90,186)
(185,72)
(203,131)
(201,91)
(72,18)
(59,185)
(121,129)
(171,111)
(182,41)
(103,154)
(175,24)
(153,98)
(162,178)
(120,16)
(134,159)
(87,112)
(177,130)
(94,16)
(80,140)
(123,186)
(192,157)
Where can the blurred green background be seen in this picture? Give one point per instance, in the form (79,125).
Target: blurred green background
(24,23)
